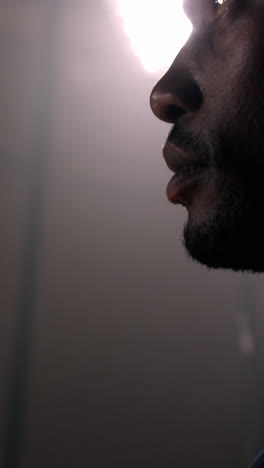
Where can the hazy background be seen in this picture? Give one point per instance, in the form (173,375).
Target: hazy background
(116,350)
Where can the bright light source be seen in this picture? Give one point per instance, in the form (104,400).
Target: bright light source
(157,30)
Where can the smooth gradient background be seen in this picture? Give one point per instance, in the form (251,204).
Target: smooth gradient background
(137,357)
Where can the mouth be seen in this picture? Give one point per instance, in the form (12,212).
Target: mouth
(189,173)
(181,188)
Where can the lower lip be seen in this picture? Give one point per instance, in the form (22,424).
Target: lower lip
(182,185)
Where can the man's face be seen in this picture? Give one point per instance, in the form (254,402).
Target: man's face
(213,94)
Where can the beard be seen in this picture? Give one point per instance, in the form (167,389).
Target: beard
(229,233)
(224,227)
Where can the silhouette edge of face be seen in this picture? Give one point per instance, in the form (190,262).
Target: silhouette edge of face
(211,96)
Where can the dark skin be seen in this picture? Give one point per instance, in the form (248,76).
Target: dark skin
(213,94)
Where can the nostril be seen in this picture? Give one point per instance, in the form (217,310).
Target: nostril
(173,112)
(166,106)
(193,97)
(170,107)
(175,95)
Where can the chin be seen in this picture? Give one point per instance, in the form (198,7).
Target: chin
(230,238)
(222,255)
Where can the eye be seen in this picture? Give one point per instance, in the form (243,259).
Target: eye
(219,6)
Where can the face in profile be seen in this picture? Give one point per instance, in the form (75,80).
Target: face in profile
(213,95)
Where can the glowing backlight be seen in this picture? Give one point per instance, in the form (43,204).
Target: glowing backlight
(157,30)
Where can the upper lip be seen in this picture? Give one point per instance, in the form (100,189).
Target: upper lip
(178,160)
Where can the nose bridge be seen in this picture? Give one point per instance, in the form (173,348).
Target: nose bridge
(176,93)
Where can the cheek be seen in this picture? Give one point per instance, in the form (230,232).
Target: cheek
(232,115)
(227,77)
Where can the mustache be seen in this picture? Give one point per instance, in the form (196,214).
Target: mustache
(190,142)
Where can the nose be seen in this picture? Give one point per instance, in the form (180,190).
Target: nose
(176,94)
